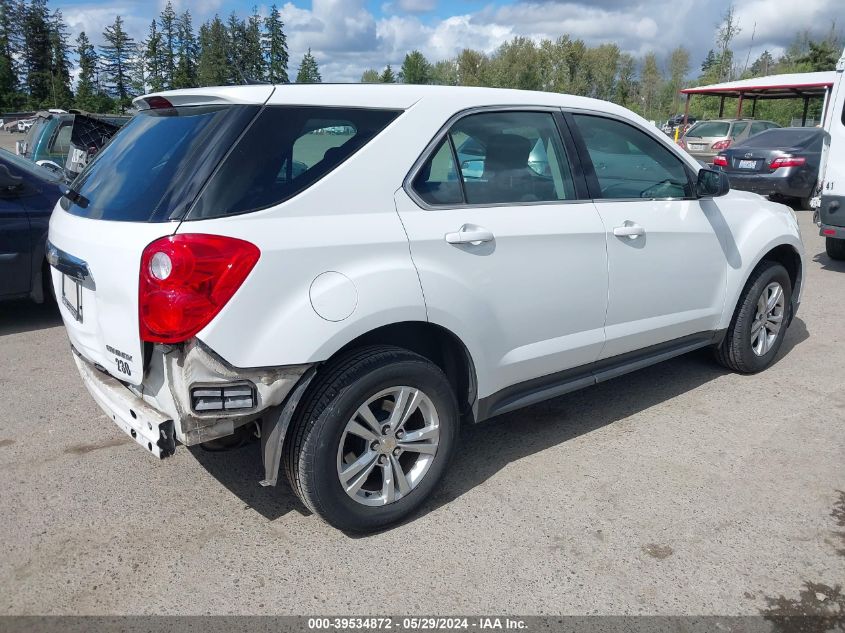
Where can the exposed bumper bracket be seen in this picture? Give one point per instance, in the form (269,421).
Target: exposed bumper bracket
(147,426)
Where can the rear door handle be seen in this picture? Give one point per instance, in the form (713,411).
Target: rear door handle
(469,234)
(631,231)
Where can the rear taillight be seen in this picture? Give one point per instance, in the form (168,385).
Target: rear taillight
(720,145)
(787,161)
(186,280)
(720,161)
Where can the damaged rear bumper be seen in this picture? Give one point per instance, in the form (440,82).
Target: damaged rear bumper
(160,412)
(147,426)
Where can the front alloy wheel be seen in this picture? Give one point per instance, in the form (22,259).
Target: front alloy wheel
(759,322)
(768,319)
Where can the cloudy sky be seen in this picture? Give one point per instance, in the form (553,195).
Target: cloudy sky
(348,36)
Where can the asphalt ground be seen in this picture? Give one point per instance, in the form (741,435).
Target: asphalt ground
(680,489)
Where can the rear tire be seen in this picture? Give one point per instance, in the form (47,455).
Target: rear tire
(759,322)
(345,434)
(835,248)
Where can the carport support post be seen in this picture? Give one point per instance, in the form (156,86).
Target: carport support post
(686,111)
(722,106)
(804,114)
(753,107)
(739,107)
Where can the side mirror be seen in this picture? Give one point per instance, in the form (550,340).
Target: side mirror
(711,183)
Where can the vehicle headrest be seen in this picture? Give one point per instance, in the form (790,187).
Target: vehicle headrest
(507,151)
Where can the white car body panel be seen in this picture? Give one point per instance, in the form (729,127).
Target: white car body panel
(556,291)
(512,301)
(112,251)
(668,282)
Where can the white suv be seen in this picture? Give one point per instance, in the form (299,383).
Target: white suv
(356,270)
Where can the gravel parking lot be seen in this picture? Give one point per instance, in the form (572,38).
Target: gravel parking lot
(681,489)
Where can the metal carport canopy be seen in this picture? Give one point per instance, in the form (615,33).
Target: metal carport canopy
(788,86)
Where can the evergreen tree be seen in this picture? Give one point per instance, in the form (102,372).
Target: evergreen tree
(237,49)
(85,87)
(309,71)
(185,74)
(116,56)
(154,59)
(387,76)
(37,52)
(62,96)
(213,67)
(169,35)
(253,53)
(415,69)
(820,56)
(709,62)
(370,76)
(763,65)
(275,47)
(138,70)
(8,63)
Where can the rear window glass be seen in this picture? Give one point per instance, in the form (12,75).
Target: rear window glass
(154,169)
(286,150)
(709,129)
(784,137)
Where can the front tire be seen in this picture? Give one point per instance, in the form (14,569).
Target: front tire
(372,438)
(835,248)
(759,323)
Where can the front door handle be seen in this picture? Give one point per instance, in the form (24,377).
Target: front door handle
(631,231)
(469,234)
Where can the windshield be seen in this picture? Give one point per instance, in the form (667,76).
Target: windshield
(153,170)
(709,129)
(31,138)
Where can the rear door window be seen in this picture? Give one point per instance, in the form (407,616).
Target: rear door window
(286,150)
(502,158)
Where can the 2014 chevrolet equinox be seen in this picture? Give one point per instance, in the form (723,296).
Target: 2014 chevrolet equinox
(360,268)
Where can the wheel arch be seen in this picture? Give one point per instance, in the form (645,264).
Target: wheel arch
(786,253)
(436,343)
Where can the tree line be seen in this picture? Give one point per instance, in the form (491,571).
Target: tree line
(644,84)
(36,53)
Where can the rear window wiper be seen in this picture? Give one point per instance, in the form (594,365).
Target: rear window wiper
(75,197)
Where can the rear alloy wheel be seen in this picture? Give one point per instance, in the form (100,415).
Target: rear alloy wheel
(372,437)
(388,446)
(759,324)
(835,248)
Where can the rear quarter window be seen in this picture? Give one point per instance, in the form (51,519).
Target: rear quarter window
(286,150)
(153,170)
